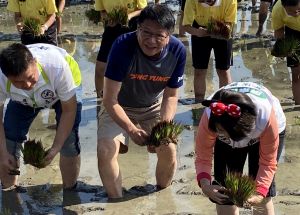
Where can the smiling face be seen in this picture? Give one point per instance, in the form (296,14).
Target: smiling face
(152,38)
(26,80)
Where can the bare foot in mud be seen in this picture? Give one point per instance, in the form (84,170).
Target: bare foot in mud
(259,31)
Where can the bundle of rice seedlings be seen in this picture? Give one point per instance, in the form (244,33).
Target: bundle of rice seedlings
(118,15)
(93,15)
(287,47)
(165,132)
(239,188)
(34,153)
(219,29)
(32,26)
(59,13)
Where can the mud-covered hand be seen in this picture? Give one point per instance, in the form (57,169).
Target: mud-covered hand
(255,199)
(8,163)
(215,193)
(50,156)
(138,136)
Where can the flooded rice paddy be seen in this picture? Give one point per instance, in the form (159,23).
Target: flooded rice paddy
(251,62)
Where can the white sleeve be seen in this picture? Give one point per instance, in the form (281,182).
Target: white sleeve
(64,83)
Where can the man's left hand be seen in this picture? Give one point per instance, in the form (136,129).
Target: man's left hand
(50,156)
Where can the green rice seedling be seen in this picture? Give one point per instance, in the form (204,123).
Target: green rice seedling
(165,132)
(287,47)
(239,188)
(93,15)
(32,26)
(59,13)
(34,153)
(118,15)
(219,29)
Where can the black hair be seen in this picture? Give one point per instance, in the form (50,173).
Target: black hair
(160,14)
(15,59)
(236,127)
(290,3)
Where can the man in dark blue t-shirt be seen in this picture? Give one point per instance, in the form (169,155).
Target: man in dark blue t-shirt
(144,71)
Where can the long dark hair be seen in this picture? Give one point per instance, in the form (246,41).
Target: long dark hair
(236,127)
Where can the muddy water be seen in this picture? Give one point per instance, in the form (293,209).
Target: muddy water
(252,62)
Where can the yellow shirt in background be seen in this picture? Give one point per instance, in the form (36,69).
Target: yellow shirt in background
(108,5)
(39,9)
(280,18)
(226,11)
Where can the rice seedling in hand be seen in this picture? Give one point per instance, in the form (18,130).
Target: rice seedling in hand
(218,29)
(118,15)
(287,47)
(165,132)
(59,14)
(239,188)
(34,153)
(93,15)
(32,26)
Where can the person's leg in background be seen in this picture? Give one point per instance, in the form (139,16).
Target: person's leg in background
(181,28)
(201,50)
(294,64)
(263,14)
(223,58)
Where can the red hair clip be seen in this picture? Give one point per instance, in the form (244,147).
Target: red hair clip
(219,108)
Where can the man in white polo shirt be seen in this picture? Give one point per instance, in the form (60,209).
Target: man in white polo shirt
(35,77)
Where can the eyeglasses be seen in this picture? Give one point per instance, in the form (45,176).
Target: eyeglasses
(147,35)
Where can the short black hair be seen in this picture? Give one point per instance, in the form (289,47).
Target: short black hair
(236,127)
(290,3)
(160,14)
(15,59)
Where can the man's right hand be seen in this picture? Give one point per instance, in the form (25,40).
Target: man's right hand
(214,192)
(138,136)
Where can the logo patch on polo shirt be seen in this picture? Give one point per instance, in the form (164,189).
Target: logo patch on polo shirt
(47,94)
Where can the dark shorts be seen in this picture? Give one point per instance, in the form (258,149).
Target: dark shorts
(291,62)
(109,36)
(17,121)
(50,36)
(182,5)
(201,50)
(233,159)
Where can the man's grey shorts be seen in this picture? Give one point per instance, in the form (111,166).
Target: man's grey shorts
(145,118)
